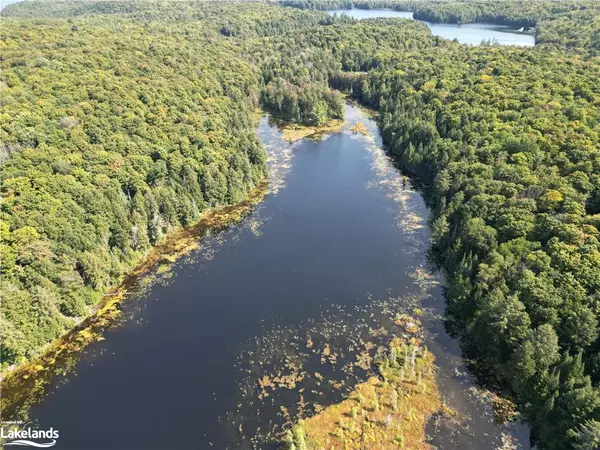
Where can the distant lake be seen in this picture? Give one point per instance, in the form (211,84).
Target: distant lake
(468,33)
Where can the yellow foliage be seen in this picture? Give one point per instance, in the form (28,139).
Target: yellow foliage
(552,196)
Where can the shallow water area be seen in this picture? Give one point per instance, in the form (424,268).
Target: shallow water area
(299,288)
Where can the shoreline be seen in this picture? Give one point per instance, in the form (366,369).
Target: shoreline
(21,386)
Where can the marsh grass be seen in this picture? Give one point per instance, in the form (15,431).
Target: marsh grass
(295,132)
(388,411)
(360,128)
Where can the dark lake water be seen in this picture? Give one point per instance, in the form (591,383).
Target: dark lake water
(468,33)
(339,242)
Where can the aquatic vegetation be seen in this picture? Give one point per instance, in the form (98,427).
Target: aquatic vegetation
(385,412)
(359,127)
(102,156)
(297,373)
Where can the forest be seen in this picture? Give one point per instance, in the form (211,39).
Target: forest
(124,120)
(571,24)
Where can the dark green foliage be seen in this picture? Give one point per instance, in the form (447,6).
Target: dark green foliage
(121,121)
(512,173)
(308,105)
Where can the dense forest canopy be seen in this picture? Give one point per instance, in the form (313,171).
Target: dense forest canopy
(513,168)
(113,133)
(122,120)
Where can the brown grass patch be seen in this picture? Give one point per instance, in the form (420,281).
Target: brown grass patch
(293,132)
(386,412)
(360,128)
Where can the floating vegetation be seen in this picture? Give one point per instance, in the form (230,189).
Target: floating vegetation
(325,383)
(280,154)
(290,373)
(407,322)
(504,409)
(359,127)
(388,411)
(294,373)
(390,180)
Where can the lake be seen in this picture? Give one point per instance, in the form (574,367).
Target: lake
(338,244)
(468,33)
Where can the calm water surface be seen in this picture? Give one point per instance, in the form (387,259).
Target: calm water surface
(469,33)
(340,241)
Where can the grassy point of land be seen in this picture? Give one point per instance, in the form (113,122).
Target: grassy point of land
(294,132)
(385,412)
